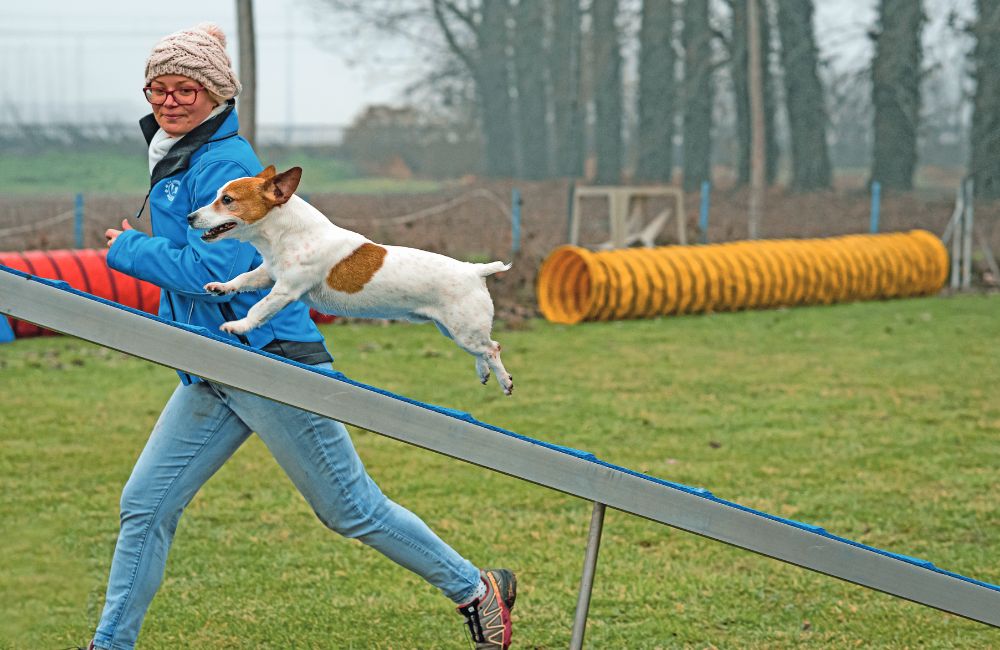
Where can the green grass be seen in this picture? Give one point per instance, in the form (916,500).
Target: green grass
(111,171)
(52,172)
(877,421)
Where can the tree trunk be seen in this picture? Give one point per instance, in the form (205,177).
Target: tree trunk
(741,90)
(738,66)
(493,88)
(484,52)
(532,100)
(770,96)
(607,92)
(984,164)
(656,93)
(896,92)
(697,38)
(771,151)
(755,85)
(564,72)
(804,97)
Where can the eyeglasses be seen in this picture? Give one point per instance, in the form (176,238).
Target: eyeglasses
(182,96)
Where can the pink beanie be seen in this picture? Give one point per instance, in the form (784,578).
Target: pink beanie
(198,53)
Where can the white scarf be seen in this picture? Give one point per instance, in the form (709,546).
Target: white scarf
(161,143)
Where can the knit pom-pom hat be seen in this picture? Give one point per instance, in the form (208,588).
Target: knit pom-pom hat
(198,53)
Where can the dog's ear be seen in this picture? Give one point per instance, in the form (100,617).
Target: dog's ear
(267,173)
(283,185)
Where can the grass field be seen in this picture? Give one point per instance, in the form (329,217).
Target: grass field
(112,171)
(878,421)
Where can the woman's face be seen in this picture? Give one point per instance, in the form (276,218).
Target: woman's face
(178,118)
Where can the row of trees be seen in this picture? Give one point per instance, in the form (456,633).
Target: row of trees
(984,163)
(545,81)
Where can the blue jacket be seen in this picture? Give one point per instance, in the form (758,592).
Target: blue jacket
(177,260)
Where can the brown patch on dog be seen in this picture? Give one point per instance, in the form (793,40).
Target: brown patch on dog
(248,203)
(352,273)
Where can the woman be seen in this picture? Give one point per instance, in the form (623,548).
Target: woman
(194,148)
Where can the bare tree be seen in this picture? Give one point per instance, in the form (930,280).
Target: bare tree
(984,164)
(896,73)
(444,88)
(484,51)
(607,91)
(755,85)
(698,97)
(738,67)
(532,94)
(564,72)
(657,88)
(804,96)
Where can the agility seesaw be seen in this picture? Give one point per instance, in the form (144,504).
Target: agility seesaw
(57,306)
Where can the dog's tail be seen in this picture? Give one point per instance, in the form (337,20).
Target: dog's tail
(491,268)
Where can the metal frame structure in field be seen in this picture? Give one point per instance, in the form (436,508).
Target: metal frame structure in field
(625,213)
(56,306)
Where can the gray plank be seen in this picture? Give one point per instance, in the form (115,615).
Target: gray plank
(166,344)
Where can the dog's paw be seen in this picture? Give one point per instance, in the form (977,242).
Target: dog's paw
(236,326)
(218,288)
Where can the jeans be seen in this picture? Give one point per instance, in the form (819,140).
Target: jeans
(202,425)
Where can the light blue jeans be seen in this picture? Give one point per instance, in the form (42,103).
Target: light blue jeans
(202,425)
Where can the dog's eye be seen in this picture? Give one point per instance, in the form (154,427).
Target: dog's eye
(226,199)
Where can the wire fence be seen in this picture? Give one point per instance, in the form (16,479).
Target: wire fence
(31,229)
(36,226)
(477,221)
(443,208)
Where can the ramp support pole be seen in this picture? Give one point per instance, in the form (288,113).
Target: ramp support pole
(587,581)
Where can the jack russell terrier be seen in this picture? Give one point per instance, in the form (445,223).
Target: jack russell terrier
(336,271)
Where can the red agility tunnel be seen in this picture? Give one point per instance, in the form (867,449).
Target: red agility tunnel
(87,270)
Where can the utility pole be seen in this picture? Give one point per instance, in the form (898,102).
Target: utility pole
(248,71)
(757,161)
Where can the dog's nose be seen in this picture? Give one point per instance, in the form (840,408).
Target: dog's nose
(192,217)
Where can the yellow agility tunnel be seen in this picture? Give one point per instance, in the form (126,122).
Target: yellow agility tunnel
(576,284)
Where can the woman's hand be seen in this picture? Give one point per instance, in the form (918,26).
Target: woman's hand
(111,234)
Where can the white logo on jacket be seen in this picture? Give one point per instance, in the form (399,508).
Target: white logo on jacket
(170,189)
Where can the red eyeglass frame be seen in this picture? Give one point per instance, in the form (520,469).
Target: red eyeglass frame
(146,90)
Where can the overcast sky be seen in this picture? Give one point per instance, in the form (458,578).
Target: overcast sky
(89,56)
(83,60)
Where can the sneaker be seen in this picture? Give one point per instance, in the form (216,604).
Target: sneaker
(488,617)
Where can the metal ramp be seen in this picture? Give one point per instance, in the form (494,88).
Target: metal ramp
(57,306)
